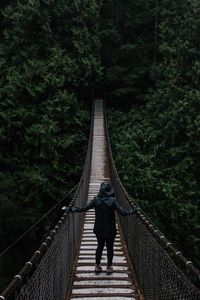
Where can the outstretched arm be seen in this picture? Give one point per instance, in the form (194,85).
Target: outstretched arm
(81,209)
(122,211)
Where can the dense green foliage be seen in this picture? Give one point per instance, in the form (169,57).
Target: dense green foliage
(49,62)
(53,54)
(128,47)
(156,142)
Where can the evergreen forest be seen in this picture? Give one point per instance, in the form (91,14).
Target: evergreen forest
(55,56)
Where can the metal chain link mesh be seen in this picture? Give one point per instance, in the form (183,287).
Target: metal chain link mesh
(158,276)
(50,279)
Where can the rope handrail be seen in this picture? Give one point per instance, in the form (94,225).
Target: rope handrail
(165,242)
(37,222)
(155,233)
(31,266)
(47,274)
(153,229)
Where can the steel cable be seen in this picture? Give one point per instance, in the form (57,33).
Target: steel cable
(37,222)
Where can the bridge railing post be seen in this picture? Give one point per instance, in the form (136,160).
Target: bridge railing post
(47,274)
(151,253)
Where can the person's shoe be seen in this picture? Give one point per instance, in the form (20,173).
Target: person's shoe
(109,270)
(98,268)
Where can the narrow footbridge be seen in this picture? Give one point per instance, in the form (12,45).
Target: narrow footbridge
(146,265)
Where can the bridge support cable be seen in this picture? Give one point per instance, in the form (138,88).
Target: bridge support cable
(151,253)
(85,283)
(47,273)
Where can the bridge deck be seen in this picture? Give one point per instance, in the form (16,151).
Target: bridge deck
(87,284)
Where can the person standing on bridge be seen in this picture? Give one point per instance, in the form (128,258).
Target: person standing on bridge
(105,205)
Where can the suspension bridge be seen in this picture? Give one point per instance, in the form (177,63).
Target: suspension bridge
(146,265)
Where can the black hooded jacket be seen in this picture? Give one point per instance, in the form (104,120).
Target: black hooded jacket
(105,205)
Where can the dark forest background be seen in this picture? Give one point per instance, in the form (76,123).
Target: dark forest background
(55,56)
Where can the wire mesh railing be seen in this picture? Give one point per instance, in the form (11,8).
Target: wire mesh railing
(47,274)
(152,255)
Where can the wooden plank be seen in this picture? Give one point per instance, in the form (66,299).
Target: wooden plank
(87,284)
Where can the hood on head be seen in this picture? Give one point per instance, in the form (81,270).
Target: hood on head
(106,189)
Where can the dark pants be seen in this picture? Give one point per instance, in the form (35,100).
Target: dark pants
(109,245)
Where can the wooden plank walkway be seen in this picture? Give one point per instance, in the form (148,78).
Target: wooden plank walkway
(86,284)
